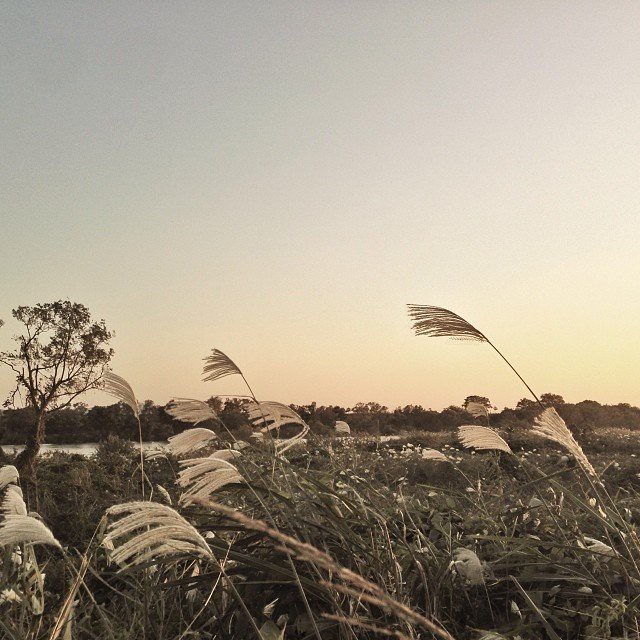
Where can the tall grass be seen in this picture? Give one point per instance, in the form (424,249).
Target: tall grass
(340,539)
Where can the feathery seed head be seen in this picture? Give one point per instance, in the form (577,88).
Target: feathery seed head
(476,409)
(8,475)
(269,416)
(439,322)
(482,438)
(149,531)
(202,478)
(551,426)
(13,502)
(189,410)
(434,454)
(190,440)
(18,528)
(342,428)
(218,365)
(120,389)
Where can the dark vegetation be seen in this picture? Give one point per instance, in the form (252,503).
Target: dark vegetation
(379,509)
(79,423)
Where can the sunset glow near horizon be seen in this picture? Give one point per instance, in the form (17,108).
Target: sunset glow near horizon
(278,180)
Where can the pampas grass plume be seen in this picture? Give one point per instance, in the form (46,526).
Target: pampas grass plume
(189,410)
(8,475)
(17,528)
(145,531)
(119,388)
(434,454)
(218,365)
(551,426)
(482,438)
(190,440)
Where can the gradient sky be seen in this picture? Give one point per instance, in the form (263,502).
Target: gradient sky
(278,179)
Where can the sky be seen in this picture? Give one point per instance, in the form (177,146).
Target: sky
(279,179)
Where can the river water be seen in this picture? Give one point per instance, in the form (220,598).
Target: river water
(85,449)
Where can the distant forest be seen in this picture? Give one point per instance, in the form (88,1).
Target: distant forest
(80,423)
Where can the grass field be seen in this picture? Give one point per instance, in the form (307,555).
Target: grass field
(341,538)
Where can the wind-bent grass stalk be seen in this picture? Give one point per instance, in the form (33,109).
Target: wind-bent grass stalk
(439,322)
(120,389)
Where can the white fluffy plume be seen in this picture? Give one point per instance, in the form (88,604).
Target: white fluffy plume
(342,428)
(189,410)
(482,438)
(190,440)
(119,388)
(12,502)
(551,426)
(218,365)
(147,531)
(19,528)
(222,454)
(270,416)
(476,409)
(202,478)
(8,475)
(434,454)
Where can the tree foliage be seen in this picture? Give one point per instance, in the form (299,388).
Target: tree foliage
(60,354)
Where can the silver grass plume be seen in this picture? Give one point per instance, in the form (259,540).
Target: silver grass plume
(434,454)
(482,438)
(477,410)
(190,440)
(12,502)
(8,475)
(202,478)
(22,529)
(439,322)
(285,445)
(218,365)
(272,415)
(342,428)
(189,410)
(119,388)
(150,531)
(551,426)
(436,321)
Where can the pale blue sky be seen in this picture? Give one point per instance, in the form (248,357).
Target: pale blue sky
(278,179)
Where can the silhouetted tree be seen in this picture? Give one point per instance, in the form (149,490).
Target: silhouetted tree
(480,400)
(551,399)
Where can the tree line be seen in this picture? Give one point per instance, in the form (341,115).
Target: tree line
(79,423)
